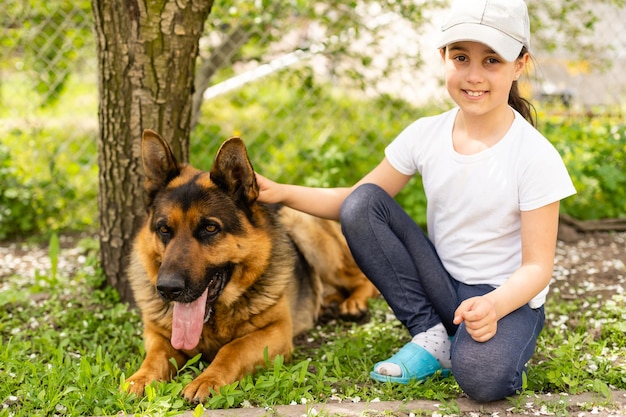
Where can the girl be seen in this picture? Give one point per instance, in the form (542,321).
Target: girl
(471,292)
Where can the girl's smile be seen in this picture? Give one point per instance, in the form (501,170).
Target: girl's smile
(479,80)
(474,93)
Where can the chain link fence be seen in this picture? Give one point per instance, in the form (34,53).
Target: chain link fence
(292,84)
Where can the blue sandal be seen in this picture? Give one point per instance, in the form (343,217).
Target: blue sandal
(416,363)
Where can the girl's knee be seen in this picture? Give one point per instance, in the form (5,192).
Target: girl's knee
(488,393)
(356,204)
(485,379)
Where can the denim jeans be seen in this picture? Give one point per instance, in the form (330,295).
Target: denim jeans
(397,256)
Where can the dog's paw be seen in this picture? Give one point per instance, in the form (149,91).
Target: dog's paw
(353,308)
(136,384)
(201,387)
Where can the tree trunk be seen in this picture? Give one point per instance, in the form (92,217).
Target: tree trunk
(146,54)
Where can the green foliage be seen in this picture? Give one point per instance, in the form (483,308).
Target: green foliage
(16,199)
(48,184)
(304,132)
(594,151)
(582,347)
(47,38)
(60,343)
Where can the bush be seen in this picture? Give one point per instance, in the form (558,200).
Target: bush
(49,183)
(301,132)
(594,150)
(18,204)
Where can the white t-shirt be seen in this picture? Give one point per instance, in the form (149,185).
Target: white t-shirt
(474,201)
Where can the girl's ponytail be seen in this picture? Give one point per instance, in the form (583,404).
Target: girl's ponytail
(519,103)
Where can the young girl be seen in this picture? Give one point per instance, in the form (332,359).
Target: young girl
(471,292)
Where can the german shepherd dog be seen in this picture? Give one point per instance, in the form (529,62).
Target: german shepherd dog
(215,272)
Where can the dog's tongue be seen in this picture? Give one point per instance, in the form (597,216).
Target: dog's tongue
(187,323)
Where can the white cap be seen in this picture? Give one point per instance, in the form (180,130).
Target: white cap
(503,25)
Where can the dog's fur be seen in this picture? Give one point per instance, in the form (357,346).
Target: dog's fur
(268,269)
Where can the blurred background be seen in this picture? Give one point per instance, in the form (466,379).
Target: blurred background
(315,89)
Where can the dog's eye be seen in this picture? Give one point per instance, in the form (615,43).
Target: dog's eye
(208,229)
(163,230)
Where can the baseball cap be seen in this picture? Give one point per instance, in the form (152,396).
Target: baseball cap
(503,25)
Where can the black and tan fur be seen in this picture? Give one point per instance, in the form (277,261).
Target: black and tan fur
(269,269)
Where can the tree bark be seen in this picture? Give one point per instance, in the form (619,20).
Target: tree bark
(146,55)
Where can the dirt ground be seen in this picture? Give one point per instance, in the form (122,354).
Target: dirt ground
(590,263)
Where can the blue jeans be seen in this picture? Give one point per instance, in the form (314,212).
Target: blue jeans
(397,256)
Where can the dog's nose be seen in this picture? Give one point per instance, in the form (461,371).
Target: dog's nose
(170,286)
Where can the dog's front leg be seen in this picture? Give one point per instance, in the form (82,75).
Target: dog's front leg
(356,303)
(156,366)
(240,358)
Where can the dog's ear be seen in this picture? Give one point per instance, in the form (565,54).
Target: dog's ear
(233,172)
(159,163)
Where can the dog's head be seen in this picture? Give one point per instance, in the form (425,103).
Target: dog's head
(200,229)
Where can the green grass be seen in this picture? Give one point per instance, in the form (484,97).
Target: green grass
(66,347)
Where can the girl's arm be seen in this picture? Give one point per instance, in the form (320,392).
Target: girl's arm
(326,202)
(539,232)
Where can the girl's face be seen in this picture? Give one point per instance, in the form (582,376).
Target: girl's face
(478,79)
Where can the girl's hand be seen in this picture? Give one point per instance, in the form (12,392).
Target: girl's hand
(268,190)
(479,316)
